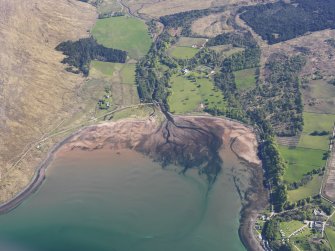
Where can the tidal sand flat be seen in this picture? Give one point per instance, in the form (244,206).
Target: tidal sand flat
(106,189)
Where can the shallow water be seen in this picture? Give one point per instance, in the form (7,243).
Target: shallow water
(123,201)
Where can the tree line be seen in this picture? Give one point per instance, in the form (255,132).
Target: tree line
(80,53)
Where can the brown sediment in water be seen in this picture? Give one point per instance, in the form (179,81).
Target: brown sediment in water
(187,141)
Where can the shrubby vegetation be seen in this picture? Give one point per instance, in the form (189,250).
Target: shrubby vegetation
(319,133)
(307,178)
(80,53)
(278,99)
(236,39)
(185,19)
(281,21)
(332,81)
(331,42)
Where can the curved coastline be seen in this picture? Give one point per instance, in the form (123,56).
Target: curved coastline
(254,200)
(36,181)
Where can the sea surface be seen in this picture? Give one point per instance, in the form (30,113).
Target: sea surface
(106,200)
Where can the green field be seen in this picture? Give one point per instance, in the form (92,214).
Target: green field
(291,226)
(320,90)
(314,142)
(312,188)
(126,72)
(330,233)
(300,161)
(103,68)
(120,78)
(245,79)
(187,96)
(124,33)
(181,52)
(316,122)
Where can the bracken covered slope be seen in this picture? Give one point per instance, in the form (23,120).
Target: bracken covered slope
(35,90)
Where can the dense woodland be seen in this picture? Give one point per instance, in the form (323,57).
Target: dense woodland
(281,21)
(151,84)
(80,53)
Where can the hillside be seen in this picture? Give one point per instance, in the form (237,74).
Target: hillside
(35,90)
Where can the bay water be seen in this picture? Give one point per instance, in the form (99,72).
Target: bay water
(123,201)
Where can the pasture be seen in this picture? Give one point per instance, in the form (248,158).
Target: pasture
(182,52)
(289,227)
(125,72)
(312,188)
(319,122)
(124,33)
(120,78)
(300,161)
(245,79)
(330,234)
(316,122)
(128,74)
(319,97)
(187,94)
(99,68)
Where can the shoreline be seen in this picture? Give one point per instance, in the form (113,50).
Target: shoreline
(36,181)
(255,196)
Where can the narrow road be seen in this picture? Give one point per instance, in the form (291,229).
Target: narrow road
(297,231)
(329,176)
(48,135)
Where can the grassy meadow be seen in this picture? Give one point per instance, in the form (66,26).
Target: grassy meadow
(312,188)
(323,93)
(120,78)
(316,122)
(308,154)
(245,79)
(300,161)
(187,95)
(182,52)
(330,234)
(319,122)
(291,226)
(124,33)
(105,69)
(126,72)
